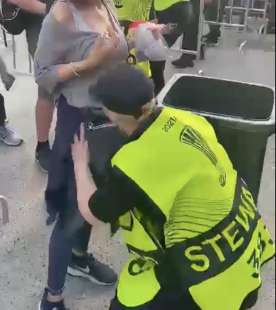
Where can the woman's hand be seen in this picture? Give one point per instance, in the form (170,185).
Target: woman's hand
(80,152)
(157,29)
(101,52)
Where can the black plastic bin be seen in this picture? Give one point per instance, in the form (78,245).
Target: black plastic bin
(243,116)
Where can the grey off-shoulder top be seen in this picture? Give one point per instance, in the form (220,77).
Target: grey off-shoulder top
(60,44)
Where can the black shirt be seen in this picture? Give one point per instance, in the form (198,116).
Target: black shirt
(120,194)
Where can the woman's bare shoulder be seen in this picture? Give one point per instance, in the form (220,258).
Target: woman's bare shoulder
(62,13)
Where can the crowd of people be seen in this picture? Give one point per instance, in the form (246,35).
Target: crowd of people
(80,54)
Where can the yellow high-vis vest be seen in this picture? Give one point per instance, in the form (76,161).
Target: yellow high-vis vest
(141,65)
(161,5)
(131,11)
(205,236)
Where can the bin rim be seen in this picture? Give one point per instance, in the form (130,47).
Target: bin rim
(177,76)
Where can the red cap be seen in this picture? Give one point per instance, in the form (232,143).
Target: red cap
(136,24)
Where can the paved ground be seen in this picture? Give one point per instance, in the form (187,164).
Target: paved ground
(23,243)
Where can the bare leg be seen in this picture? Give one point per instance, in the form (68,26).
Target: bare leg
(44,116)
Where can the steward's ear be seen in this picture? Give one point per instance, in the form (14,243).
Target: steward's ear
(149,107)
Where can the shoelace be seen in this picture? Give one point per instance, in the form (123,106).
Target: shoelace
(90,260)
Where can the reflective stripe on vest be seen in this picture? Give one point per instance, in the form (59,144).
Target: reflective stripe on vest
(213,231)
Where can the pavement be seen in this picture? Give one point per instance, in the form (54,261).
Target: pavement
(24,241)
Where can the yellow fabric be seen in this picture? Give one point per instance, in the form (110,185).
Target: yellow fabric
(214,293)
(161,5)
(131,10)
(180,165)
(183,166)
(144,66)
(137,234)
(135,290)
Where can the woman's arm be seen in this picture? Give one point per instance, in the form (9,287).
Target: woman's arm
(100,53)
(51,48)
(32,6)
(85,189)
(49,70)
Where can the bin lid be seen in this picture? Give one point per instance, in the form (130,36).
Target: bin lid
(229,100)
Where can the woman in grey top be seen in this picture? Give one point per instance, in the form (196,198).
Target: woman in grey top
(80,39)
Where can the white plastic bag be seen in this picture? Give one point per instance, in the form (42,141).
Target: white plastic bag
(147,45)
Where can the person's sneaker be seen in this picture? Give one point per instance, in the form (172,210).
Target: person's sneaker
(185,61)
(46,305)
(8,81)
(211,39)
(42,156)
(89,268)
(9,137)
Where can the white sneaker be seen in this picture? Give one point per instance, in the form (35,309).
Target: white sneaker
(9,137)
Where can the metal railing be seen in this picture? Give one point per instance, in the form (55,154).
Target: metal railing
(244,9)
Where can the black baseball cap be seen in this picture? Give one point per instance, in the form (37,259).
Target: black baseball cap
(123,89)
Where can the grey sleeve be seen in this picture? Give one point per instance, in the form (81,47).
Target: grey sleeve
(47,77)
(51,51)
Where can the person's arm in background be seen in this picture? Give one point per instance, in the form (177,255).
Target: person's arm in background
(32,6)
